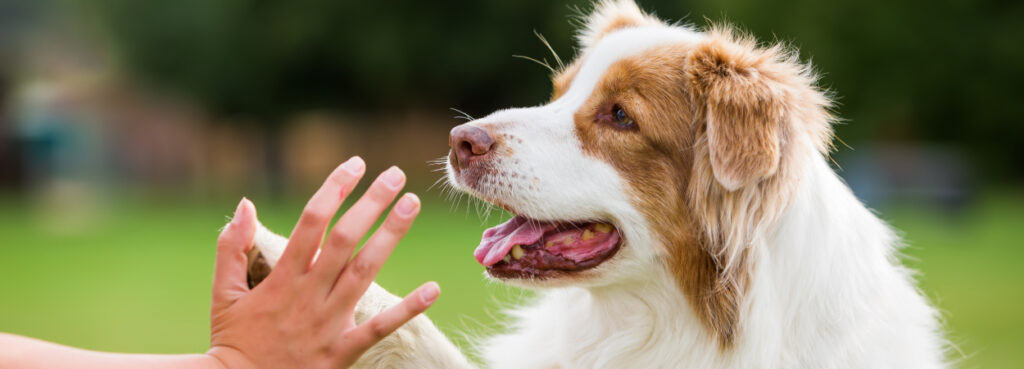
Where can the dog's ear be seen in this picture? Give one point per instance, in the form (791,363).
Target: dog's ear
(611,15)
(742,90)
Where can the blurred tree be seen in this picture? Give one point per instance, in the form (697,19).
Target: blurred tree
(16,18)
(260,61)
(910,69)
(269,58)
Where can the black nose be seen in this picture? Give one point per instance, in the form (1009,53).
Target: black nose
(468,143)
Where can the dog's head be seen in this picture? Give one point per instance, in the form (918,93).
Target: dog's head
(662,147)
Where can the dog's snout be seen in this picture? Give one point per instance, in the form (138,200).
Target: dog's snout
(469,142)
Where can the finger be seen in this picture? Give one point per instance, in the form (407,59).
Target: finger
(359,273)
(380,326)
(317,214)
(354,224)
(234,241)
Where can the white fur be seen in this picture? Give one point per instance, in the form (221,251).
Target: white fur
(827,289)
(827,293)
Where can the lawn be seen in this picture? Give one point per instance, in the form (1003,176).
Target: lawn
(137,279)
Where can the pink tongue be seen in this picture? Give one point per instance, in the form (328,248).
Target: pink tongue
(498,240)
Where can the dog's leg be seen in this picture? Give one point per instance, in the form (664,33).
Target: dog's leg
(417,344)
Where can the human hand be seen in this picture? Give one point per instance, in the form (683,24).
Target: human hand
(302,314)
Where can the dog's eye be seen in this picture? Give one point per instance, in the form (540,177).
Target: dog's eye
(622,120)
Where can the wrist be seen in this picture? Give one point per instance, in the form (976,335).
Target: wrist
(225,357)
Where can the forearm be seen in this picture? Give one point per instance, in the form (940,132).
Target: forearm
(27,353)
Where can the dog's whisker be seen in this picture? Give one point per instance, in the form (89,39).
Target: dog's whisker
(558,60)
(437,182)
(543,63)
(462,114)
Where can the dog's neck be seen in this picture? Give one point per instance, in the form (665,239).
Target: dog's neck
(800,296)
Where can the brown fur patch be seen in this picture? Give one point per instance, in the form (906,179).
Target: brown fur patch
(762,116)
(612,15)
(258,269)
(743,112)
(722,108)
(560,82)
(619,22)
(657,161)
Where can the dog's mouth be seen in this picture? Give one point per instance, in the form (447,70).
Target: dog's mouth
(534,249)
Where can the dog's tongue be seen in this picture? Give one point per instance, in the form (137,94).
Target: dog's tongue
(498,240)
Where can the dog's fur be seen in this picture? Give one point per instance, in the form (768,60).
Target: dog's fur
(743,249)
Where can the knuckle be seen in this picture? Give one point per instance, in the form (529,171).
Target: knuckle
(396,225)
(343,179)
(313,215)
(340,238)
(329,351)
(380,194)
(226,240)
(378,329)
(362,268)
(410,309)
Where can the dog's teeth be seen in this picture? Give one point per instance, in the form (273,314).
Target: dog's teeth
(517,252)
(587,234)
(506,259)
(549,244)
(603,228)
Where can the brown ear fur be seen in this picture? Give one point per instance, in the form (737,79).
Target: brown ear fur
(744,107)
(759,107)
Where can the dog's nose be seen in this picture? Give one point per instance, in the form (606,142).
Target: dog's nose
(468,142)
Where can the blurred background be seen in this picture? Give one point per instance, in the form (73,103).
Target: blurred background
(129,130)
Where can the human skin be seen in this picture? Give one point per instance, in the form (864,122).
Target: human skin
(303,314)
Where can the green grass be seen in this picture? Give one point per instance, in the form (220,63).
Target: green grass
(137,278)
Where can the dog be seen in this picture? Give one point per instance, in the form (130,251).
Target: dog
(674,207)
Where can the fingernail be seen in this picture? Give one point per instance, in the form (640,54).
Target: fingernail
(407,204)
(238,211)
(393,177)
(430,293)
(354,165)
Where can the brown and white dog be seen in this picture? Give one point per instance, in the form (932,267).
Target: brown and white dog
(675,208)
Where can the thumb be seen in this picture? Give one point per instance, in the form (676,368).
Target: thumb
(229,282)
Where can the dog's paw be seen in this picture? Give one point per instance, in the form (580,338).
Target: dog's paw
(258,268)
(267,249)
(375,300)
